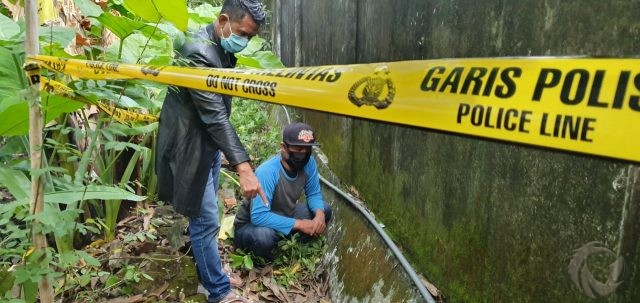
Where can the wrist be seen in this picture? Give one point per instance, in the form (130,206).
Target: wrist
(243,168)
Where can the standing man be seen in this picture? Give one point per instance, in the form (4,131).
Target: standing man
(284,178)
(194,129)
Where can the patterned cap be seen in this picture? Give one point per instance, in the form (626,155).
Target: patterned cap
(299,134)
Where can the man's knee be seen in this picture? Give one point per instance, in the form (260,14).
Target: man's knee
(258,240)
(264,239)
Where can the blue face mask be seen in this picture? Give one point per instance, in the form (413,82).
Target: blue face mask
(234,43)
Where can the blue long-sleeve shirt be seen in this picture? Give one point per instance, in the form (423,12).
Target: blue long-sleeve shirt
(283,193)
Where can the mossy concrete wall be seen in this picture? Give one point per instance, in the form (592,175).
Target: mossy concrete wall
(485,221)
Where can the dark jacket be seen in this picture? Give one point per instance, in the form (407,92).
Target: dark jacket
(193,125)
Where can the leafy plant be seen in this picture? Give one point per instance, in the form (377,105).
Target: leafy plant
(13,109)
(297,256)
(79,268)
(242,260)
(157,10)
(258,55)
(4,10)
(58,218)
(139,236)
(287,275)
(81,179)
(256,129)
(133,275)
(89,159)
(130,275)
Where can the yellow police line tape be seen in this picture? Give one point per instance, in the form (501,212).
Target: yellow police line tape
(121,115)
(583,105)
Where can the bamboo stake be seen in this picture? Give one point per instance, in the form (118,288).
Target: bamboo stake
(35,136)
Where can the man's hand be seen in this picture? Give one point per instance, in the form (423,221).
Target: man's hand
(314,227)
(319,224)
(305,226)
(249,183)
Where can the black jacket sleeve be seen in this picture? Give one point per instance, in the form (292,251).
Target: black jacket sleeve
(214,115)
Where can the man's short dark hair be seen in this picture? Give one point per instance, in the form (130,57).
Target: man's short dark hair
(237,9)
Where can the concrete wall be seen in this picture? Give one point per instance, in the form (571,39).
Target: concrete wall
(482,220)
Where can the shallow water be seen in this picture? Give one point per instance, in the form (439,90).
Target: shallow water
(361,268)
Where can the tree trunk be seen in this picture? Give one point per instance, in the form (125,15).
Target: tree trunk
(35,135)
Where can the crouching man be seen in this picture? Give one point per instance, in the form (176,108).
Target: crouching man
(284,178)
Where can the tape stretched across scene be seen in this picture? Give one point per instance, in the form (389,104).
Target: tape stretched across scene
(121,115)
(582,105)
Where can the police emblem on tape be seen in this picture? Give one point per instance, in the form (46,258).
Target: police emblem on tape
(377,90)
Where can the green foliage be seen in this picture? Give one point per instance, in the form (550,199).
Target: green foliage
(16,182)
(53,219)
(133,275)
(99,90)
(35,267)
(83,188)
(61,222)
(216,3)
(294,249)
(91,192)
(138,48)
(8,28)
(262,60)
(259,134)
(88,8)
(15,113)
(61,36)
(73,258)
(258,55)
(123,27)
(202,15)
(13,79)
(297,257)
(6,280)
(80,276)
(140,236)
(243,260)
(205,13)
(176,35)
(287,276)
(5,12)
(13,109)
(156,10)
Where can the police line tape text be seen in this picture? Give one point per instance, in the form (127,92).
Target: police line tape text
(248,86)
(570,87)
(557,125)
